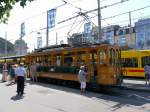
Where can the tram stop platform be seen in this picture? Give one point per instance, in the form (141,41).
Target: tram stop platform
(135,84)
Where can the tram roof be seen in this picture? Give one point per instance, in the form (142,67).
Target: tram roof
(15,56)
(66,47)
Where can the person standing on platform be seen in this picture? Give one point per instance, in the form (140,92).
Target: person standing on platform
(82,78)
(12,74)
(5,72)
(147,74)
(20,75)
(33,72)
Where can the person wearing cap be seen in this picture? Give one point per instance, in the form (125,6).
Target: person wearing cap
(20,75)
(82,78)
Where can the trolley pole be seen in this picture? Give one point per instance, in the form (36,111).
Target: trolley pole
(99,22)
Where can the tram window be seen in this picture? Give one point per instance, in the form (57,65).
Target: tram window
(93,58)
(145,60)
(130,62)
(68,61)
(37,59)
(102,57)
(112,57)
(58,61)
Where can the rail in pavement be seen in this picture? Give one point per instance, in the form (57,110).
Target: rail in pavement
(136,84)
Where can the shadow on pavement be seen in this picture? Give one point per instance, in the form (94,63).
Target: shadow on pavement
(16,97)
(135,99)
(121,97)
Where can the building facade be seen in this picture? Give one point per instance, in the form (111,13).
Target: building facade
(20,47)
(6,48)
(143,34)
(137,37)
(109,33)
(124,38)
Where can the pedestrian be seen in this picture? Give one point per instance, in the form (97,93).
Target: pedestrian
(5,72)
(12,74)
(28,70)
(82,78)
(20,75)
(147,74)
(33,72)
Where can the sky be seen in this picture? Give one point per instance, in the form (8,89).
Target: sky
(34,17)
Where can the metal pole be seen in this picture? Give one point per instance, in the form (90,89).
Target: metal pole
(20,44)
(6,44)
(47,32)
(99,21)
(56,39)
(130,30)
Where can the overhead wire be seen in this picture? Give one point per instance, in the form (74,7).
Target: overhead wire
(31,17)
(71,27)
(80,26)
(65,3)
(101,19)
(116,3)
(96,16)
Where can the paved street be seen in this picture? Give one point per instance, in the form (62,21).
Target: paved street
(50,98)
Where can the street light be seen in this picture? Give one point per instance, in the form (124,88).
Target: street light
(5,44)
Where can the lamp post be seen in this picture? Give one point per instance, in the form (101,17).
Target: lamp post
(6,44)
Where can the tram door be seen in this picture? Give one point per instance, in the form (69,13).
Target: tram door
(93,67)
(102,67)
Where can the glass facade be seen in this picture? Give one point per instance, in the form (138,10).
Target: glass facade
(143,34)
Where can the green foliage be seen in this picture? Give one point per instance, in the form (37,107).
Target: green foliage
(7,5)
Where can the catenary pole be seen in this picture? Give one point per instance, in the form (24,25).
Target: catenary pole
(99,22)
(47,32)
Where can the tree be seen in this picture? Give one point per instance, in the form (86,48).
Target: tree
(7,5)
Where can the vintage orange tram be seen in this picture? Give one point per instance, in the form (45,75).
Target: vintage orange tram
(63,62)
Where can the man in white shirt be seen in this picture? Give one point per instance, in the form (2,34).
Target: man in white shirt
(20,75)
(82,78)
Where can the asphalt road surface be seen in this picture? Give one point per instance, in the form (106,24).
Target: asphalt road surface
(41,97)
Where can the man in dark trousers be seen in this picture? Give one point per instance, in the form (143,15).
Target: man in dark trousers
(147,74)
(20,75)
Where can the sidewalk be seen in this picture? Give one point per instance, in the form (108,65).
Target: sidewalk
(136,84)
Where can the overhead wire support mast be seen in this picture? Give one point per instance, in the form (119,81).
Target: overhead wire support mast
(99,21)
